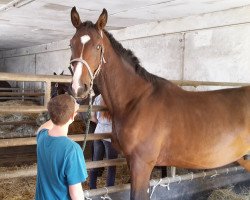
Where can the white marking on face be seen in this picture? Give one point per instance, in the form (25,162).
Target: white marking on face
(76,77)
(85,39)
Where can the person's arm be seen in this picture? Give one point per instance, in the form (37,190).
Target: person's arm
(47,125)
(76,172)
(76,191)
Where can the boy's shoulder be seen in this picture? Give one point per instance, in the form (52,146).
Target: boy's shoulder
(73,144)
(41,133)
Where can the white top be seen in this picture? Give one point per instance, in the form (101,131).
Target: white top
(103,124)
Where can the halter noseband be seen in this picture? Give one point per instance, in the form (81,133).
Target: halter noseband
(91,74)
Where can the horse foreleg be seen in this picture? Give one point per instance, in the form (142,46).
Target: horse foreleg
(140,175)
(244,163)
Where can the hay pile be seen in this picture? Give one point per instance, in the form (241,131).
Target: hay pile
(24,130)
(17,188)
(28,130)
(229,194)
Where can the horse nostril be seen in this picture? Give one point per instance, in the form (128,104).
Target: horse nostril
(85,86)
(80,91)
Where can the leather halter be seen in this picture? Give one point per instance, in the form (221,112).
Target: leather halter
(91,74)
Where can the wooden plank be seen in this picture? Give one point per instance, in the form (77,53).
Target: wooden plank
(19,98)
(90,137)
(68,79)
(32,171)
(34,78)
(208,83)
(1,88)
(32,140)
(47,95)
(106,163)
(41,109)
(15,94)
(17,123)
(22,109)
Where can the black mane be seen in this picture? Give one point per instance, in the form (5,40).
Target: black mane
(131,58)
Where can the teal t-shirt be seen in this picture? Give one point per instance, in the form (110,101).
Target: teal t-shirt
(60,163)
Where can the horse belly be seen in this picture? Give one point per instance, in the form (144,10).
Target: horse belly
(204,155)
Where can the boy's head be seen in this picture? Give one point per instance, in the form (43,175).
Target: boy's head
(62,108)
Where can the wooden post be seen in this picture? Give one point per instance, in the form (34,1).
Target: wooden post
(47,95)
(173,171)
(22,90)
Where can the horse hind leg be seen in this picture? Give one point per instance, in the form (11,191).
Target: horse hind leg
(244,163)
(140,175)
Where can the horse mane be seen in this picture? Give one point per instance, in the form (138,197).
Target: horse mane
(127,54)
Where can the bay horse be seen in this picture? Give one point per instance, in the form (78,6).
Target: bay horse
(155,122)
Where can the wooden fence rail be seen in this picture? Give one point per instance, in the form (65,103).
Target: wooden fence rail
(42,109)
(12,142)
(17,94)
(68,79)
(34,78)
(18,123)
(31,171)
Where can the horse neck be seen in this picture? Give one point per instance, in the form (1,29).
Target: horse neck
(118,82)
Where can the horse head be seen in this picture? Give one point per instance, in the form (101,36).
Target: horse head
(87,47)
(60,88)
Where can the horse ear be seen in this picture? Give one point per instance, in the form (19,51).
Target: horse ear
(62,72)
(55,73)
(102,21)
(75,18)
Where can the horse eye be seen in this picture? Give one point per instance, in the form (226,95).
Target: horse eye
(98,47)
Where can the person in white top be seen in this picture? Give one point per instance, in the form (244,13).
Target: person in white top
(102,147)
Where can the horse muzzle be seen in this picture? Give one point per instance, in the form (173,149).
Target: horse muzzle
(80,91)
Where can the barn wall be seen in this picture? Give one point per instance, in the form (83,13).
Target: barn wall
(208,47)
(1,60)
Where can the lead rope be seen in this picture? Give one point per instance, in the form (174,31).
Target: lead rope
(91,94)
(88,112)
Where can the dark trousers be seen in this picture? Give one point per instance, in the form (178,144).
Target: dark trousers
(101,148)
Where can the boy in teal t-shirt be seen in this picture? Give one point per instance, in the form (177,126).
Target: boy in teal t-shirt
(60,162)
